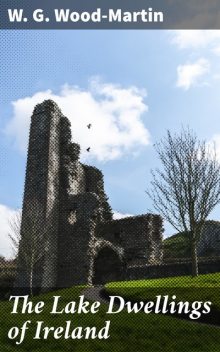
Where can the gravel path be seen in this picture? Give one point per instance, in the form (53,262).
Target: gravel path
(94,294)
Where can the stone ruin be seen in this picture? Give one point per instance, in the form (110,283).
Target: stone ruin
(68,234)
(209,243)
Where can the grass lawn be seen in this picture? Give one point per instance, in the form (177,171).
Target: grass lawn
(203,287)
(208,280)
(128,332)
(176,246)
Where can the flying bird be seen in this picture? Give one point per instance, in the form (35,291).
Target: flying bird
(89,126)
(88,149)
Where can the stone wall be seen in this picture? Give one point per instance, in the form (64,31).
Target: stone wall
(95,184)
(82,202)
(74,239)
(41,197)
(171,270)
(139,236)
(209,243)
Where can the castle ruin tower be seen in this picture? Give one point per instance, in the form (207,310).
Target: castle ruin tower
(68,235)
(39,227)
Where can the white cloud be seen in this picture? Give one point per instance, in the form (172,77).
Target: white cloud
(190,74)
(197,44)
(196,39)
(114,112)
(216,50)
(117,215)
(6,215)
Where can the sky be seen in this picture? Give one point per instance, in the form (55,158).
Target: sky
(131,85)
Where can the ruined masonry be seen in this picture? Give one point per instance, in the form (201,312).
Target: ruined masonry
(68,235)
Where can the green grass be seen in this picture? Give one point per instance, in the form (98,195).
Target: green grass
(186,288)
(208,280)
(128,332)
(176,246)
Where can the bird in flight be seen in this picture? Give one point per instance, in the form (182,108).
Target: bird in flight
(88,149)
(89,126)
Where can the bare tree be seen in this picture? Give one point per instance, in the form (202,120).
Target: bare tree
(15,232)
(27,245)
(187,188)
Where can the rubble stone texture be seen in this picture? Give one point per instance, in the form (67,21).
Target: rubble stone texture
(66,209)
(209,243)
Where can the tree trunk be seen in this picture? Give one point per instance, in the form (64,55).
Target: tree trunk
(31,282)
(195,269)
